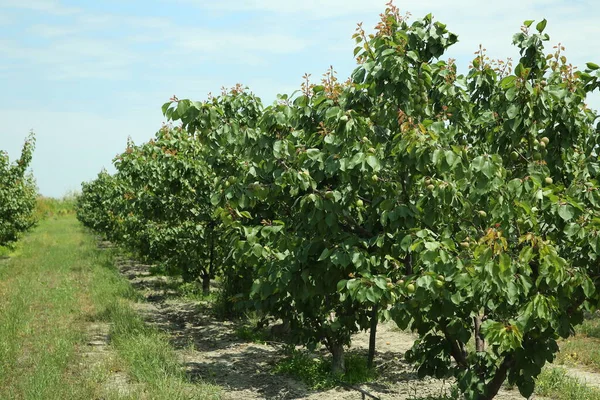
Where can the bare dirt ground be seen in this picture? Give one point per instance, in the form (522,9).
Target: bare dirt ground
(211,351)
(585,376)
(97,354)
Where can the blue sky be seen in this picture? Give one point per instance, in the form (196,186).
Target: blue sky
(86,75)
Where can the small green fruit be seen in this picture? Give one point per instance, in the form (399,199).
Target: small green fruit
(537,156)
(482,213)
(465,245)
(430,187)
(410,288)
(329,195)
(439,284)
(542,145)
(374,178)
(390,285)
(514,156)
(359,203)
(545,140)
(371,150)
(548,180)
(400,282)
(441,278)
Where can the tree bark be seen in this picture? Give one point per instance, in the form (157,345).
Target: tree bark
(494,385)
(479,342)
(206,284)
(281,330)
(338,365)
(408,269)
(456,350)
(372,336)
(210,273)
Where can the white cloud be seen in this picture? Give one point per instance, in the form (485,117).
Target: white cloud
(314,9)
(73,50)
(218,41)
(73,58)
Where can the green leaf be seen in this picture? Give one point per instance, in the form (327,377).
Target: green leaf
(313,154)
(356,159)
(340,258)
(332,112)
(505,263)
(451,158)
(380,282)
(566,212)
(165,107)
(526,387)
(405,243)
(257,250)
(541,25)
(588,287)
(324,255)
(528,22)
(373,162)
(512,111)
(572,229)
(246,214)
(489,169)
(508,82)
(370,294)
(592,66)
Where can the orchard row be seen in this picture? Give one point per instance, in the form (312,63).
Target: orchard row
(460,206)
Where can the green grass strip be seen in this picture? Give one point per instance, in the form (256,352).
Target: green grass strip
(57,284)
(554,383)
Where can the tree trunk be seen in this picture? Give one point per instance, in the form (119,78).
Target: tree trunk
(494,385)
(205,284)
(372,336)
(281,330)
(210,273)
(211,263)
(479,342)
(338,365)
(456,349)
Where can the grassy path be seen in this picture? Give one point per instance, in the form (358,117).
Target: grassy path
(50,293)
